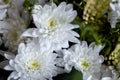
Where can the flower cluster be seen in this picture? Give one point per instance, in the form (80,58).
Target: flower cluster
(51,44)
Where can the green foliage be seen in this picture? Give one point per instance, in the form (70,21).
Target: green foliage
(73,75)
(29,4)
(99,33)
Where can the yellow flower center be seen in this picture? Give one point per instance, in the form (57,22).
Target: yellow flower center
(52,23)
(85,64)
(33,64)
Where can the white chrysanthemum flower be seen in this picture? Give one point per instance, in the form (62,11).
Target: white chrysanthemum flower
(83,58)
(14,24)
(54,24)
(32,63)
(114,15)
(11,31)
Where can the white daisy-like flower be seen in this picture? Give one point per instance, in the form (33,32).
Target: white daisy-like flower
(14,24)
(83,58)
(114,15)
(32,63)
(11,31)
(54,24)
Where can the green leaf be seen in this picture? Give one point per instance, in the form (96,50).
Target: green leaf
(73,75)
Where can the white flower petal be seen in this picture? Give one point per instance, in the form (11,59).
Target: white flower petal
(8,67)
(107,78)
(12,75)
(30,33)
(74,33)
(68,68)
(71,38)
(9,56)
(21,47)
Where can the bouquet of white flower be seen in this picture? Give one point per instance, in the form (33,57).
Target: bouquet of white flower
(59,40)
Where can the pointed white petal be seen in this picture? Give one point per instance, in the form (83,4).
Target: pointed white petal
(9,56)
(33,32)
(8,67)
